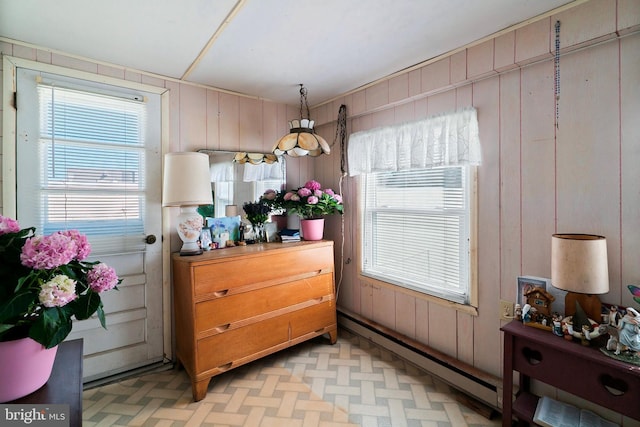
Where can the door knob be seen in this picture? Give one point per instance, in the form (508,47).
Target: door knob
(150,239)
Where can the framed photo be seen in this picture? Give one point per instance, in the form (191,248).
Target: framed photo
(526,283)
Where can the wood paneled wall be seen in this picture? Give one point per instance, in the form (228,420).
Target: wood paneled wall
(535,179)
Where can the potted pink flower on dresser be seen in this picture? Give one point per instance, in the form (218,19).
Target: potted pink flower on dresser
(311,203)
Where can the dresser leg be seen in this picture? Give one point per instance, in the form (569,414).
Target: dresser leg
(333,336)
(199,389)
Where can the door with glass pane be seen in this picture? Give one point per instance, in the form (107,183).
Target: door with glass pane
(88,158)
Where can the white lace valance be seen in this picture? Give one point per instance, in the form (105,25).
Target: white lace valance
(445,139)
(262,172)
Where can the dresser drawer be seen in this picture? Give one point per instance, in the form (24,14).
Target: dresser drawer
(224,312)
(274,266)
(218,351)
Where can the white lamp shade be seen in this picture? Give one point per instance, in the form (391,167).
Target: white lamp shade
(579,263)
(186,179)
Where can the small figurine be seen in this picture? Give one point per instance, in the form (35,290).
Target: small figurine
(526,313)
(556,320)
(518,312)
(629,332)
(614,316)
(241,230)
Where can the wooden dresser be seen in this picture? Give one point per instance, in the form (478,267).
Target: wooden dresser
(235,305)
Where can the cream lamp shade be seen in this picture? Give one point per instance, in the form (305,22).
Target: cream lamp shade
(579,265)
(186,183)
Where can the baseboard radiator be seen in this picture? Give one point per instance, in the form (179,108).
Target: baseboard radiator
(469,380)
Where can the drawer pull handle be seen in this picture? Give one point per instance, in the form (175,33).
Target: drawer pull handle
(225,366)
(221,293)
(615,386)
(534,357)
(223,328)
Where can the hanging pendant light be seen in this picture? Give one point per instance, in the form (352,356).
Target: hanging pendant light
(301,139)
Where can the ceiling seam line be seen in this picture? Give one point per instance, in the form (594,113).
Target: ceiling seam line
(227,20)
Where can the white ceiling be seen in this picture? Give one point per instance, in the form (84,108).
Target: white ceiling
(264,48)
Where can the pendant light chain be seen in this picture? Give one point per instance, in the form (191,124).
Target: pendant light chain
(303,98)
(557,74)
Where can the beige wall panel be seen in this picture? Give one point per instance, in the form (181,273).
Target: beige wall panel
(366,300)
(443,329)
(628,15)
(504,52)
(383,118)
(405,311)
(31,53)
(377,95)
(41,56)
(486,327)
(384,306)
(538,176)
(320,114)
(193,120)
(174,115)
(480,60)
(229,121)
(399,87)
(588,149)
(422,321)
(464,96)
(510,256)
(213,121)
(459,67)
(404,113)
(415,82)
(118,73)
(421,108)
(66,61)
(359,102)
(250,114)
(270,126)
(465,338)
(442,103)
(630,127)
(532,41)
(152,81)
(590,20)
(132,76)
(436,75)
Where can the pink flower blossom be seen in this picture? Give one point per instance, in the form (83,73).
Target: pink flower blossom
(313,185)
(102,278)
(48,252)
(58,292)
(329,191)
(337,198)
(288,195)
(304,192)
(8,225)
(317,193)
(294,198)
(312,200)
(84,248)
(270,194)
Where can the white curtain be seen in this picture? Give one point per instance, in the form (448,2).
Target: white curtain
(262,172)
(221,170)
(441,140)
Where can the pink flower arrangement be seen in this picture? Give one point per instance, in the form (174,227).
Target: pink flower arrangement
(45,281)
(311,201)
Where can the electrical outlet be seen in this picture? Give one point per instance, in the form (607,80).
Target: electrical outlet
(506,310)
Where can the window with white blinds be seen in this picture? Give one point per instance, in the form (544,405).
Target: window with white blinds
(92,158)
(416,229)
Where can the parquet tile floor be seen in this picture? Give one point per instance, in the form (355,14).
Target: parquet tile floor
(351,383)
